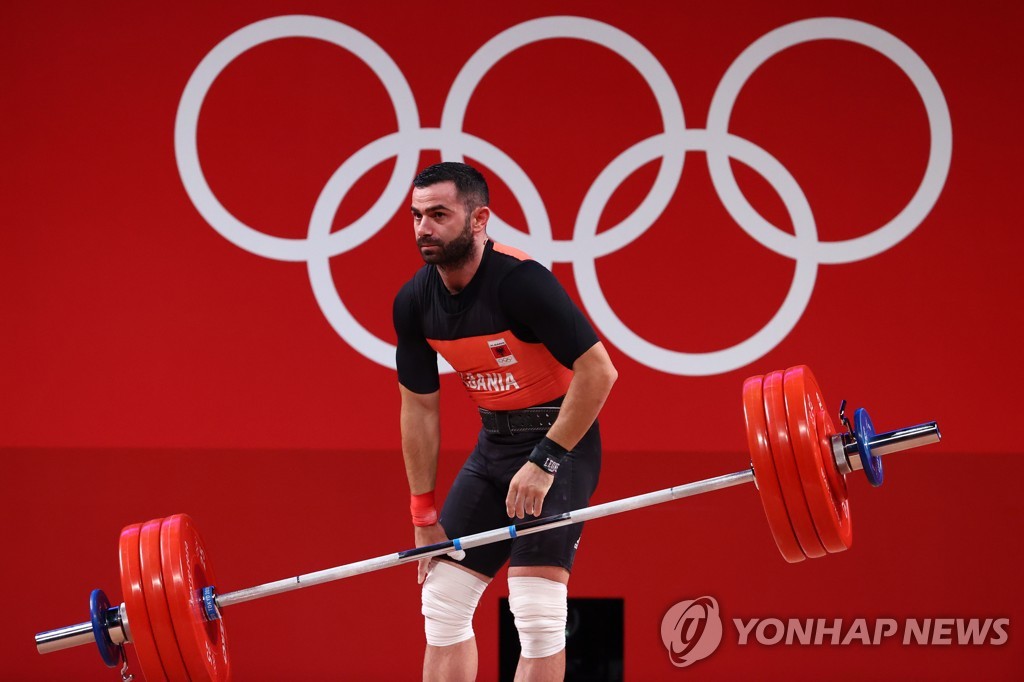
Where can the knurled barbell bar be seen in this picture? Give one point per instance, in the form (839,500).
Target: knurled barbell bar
(172,612)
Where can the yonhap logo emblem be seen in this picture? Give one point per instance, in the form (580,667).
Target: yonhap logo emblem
(691,630)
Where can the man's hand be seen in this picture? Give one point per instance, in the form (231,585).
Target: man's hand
(429,535)
(527,490)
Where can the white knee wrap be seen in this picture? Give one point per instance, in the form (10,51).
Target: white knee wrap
(539,606)
(449,597)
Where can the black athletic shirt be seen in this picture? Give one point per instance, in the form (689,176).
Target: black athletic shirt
(512,334)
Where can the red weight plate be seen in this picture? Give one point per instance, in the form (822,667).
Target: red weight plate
(764,472)
(135,605)
(785,466)
(156,602)
(828,504)
(187,570)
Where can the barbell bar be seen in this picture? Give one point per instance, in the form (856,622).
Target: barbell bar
(799,463)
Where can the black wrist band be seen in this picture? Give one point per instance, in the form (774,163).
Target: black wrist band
(548,455)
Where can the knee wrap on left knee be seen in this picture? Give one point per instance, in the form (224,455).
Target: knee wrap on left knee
(540,609)
(449,598)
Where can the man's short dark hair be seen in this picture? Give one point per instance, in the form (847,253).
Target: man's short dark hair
(469,182)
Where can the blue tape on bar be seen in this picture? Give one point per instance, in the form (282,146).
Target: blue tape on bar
(511,531)
(458,543)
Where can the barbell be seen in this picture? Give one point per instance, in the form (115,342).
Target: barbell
(172,613)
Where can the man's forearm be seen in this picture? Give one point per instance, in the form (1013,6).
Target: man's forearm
(421,439)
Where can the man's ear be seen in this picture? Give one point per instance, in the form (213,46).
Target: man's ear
(481,214)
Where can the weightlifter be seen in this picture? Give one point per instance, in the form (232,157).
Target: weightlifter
(539,376)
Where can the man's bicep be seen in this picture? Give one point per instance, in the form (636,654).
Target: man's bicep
(596,362)
(420,403)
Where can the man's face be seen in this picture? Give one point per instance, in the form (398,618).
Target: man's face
(443,226)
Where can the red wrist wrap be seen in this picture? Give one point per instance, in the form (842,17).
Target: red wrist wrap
(422,508)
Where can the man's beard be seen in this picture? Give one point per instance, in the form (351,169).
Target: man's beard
(454,254)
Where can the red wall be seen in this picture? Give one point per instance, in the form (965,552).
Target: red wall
(148,359)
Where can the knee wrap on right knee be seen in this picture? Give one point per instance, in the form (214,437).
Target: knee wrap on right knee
(449,597)
(540,608)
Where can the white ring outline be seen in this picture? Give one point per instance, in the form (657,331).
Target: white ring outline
(542,246)
(789,313)
(327,204)
(187,120)
(888,45)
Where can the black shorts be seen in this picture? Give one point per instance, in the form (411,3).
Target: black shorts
(476,501)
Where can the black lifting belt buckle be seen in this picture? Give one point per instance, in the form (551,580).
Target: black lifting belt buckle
(510,422)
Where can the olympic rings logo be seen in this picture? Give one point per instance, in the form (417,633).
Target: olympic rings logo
(586,245)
